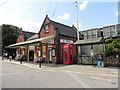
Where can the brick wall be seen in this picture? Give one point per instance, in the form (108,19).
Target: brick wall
(20,37)
(51,30)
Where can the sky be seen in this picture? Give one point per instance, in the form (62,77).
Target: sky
(30,14)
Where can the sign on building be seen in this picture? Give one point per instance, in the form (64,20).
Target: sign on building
(66,41)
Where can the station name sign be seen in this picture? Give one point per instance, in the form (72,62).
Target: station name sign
(66,41)
(51,41)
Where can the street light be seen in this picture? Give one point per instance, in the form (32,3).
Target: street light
(78,37)
(77,21)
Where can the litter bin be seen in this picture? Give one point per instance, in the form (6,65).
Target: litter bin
(10,58)
(40,60)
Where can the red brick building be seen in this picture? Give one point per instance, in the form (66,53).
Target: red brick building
(51,50)
(49,42)
(22,37)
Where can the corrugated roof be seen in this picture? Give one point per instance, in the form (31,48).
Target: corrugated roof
(32,41)
(89,41)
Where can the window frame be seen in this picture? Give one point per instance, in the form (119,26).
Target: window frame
(46,28)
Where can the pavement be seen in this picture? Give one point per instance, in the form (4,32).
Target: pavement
(81,69)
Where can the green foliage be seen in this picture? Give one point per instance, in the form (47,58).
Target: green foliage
(9,34)
(112,46)
(108,40)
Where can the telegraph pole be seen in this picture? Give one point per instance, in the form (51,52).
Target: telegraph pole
(77,21)
(78,37)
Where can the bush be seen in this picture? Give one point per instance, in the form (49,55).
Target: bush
(112,47)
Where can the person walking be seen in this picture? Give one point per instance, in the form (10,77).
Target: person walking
(100,59)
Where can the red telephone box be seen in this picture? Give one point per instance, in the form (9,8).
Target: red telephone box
(69,51)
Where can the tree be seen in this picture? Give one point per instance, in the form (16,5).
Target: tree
(113,46)
(9,35)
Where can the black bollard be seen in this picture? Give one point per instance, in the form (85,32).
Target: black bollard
(40,62)
(21,61)
(10,57)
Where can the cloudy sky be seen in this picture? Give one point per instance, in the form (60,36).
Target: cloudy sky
(29,14)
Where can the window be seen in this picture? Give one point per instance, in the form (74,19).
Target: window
(44,50)
(46,29)
(106,31)
(113,32)
(20,38)
(89,34)
(94,34)
(85,34)
(71,54)
(53,52)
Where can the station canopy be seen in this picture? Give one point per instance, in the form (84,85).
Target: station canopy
(39,40)
(89,41)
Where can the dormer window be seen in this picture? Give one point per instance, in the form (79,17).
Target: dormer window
(46,28)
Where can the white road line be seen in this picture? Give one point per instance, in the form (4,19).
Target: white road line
(52,70)
(23,70)
(77,80)
(102,79)
(93,73)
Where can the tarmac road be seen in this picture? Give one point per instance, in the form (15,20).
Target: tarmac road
(15,75)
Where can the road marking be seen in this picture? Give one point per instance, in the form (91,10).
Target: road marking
(52,70)
(77,80)
(16,72)
(102,79)
(93,73)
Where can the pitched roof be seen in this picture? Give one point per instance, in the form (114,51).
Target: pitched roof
(28,34)
(64,29)
(35,36)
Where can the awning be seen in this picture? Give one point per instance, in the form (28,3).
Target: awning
(89,41)
(32,41)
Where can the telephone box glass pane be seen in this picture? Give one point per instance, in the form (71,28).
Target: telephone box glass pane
(65,54)
(70,54)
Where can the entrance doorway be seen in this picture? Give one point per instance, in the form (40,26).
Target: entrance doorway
(31,55)
(50,55)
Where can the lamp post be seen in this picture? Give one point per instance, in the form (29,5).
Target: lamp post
(78,37)
(104,51)
(77,21)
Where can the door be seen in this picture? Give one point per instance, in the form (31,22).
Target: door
(31,55)
(65,56)
(50,55)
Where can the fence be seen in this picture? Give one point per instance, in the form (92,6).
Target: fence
(112,61)
(108,61)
